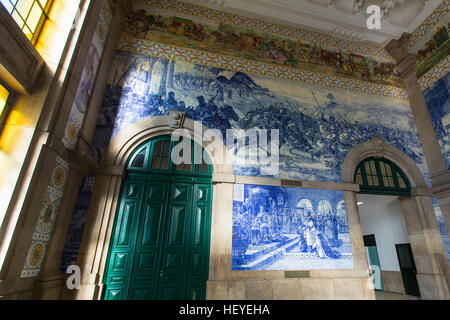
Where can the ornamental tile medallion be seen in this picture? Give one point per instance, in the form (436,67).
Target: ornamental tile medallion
(47,216)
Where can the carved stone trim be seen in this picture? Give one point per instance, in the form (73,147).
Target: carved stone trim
(20,61)
(176,119)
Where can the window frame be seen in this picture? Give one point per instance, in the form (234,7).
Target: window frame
(4,113)
(43,18)
(381,188)
(149,145)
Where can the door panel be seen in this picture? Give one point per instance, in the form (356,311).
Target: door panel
(173,271)
(150,233)
(408,269)
(161,241)
(121,255)
(198,267)
(373,261)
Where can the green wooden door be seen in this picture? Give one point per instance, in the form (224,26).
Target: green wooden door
(160,244)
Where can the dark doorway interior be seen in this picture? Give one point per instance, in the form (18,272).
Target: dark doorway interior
(408,269)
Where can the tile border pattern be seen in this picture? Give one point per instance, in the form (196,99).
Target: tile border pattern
(77,113)
(189,55)
(441,11)
(216,16)
(435,74)
(47,216)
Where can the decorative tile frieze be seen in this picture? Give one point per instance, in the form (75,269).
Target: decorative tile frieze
(144,47)
(435,74)
(217,16)
(441,11)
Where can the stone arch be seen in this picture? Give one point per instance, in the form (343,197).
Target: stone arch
(123,144)
(379,149)
(418,211)
(99,223)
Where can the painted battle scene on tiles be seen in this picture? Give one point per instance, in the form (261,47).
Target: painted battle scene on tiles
(318,125)
(276,228)
(259,46)
(438,102)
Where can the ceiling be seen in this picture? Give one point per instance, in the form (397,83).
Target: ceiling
(341,18)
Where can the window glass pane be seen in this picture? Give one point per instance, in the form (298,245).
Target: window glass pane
(369,180)
(28,32)
(166,148)
(383,169)
(27,14)
(43,3)
(157,149)
(155,162)
(34,17)
(18,19)
(367,168)
(139,161)
(358,179)
(389,172)
(24,6)
(8,5)
(4,94)
(372,166)
(401,182)
(164,163)
(375,181)
(391,182)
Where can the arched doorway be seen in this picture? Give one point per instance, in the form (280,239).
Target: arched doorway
(417,211)
(386,241)
(160,241)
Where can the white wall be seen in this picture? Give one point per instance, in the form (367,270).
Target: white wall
(382,216)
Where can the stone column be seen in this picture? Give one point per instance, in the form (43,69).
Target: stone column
(429,254)
(406,62)
(440,175)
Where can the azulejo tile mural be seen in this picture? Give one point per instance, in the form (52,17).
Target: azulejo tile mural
(442,228)
(73,239)
(259,46)
(46,220)
(437,98)
(276,228)
(86,85)
(318,125)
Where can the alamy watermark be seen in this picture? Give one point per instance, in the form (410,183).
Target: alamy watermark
(374,282)
(245,148)
(73,281)
(374,20)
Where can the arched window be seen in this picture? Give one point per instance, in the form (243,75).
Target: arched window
(381,176)
(155,156)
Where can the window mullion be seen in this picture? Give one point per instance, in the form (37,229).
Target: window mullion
(380,176)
